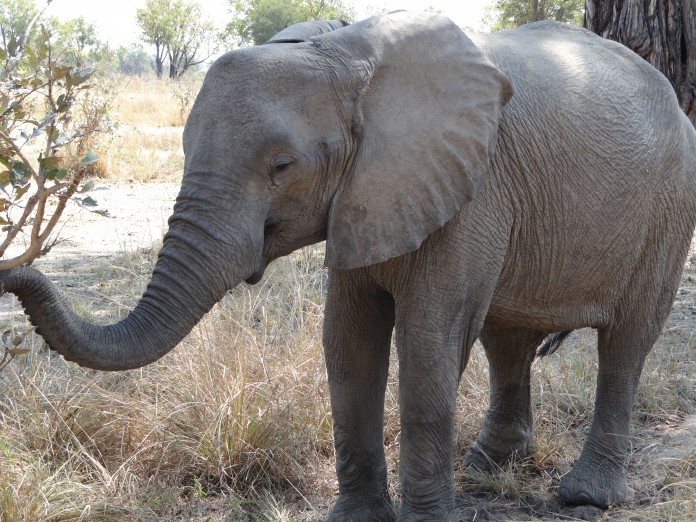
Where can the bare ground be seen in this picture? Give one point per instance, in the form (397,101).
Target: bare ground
(664,445)
(126,218)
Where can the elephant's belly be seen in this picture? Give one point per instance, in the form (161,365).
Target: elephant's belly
(506,310)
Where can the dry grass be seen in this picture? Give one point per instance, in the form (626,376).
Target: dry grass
(150,102)
(235,424)
(146,144)
(239,409)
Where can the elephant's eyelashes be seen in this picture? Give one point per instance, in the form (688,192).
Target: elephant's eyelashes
(280,166)
(282,163)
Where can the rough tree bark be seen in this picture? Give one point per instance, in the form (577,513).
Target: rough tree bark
(663,32)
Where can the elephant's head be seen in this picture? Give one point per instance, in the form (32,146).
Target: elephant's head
(370,136)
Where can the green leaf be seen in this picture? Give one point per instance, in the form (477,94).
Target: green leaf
(56,174)
(61,105)
(91,157)
(61,140)
(50,163)
(19,174)
(20,191)
(5,178)
(59,72)
(89,202)
(76,77)
(87,187)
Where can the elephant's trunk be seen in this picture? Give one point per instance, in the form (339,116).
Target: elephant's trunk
(195,268)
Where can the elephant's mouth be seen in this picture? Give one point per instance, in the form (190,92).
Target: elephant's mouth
(256,276)
(275,246)
(269,229)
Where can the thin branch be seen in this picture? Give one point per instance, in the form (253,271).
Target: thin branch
(58,212)
(14,229)
(24,159)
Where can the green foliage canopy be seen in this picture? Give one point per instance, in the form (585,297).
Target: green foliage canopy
(15,17)
(256,21)
(508,14)
(179,33)
(78,38)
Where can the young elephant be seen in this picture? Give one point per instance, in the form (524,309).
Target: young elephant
(452,210)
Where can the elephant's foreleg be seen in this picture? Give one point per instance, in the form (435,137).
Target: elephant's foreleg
(431,356)
(358,323)
(507,427)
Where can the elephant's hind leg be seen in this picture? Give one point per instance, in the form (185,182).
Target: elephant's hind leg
(507,426)
(599,476)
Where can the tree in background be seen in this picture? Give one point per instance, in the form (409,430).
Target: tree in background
(132,60)
(508,14)
(193,39)
(255,21)
(15,17)
(179,33)
(663,33)
(78,40)
(156,29)
(74,41)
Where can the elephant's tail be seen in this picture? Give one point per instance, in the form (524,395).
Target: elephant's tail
(552,343)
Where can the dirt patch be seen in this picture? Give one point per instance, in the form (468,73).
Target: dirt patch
(126,218)
(137,217)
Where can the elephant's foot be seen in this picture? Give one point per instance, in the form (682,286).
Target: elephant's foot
(478,460)
(599,485)
(442,516)
(349,508)
(484,457)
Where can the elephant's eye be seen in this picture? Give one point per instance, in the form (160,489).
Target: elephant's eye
(280,165)
(285,165)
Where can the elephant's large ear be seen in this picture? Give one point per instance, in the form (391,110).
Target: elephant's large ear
(304,31)
(426,116)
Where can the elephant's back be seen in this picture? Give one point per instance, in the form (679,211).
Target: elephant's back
(590,156)
(581,81)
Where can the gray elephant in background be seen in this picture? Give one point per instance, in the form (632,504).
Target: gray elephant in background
(501,187)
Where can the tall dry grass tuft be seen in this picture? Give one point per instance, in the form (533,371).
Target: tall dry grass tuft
(149,102)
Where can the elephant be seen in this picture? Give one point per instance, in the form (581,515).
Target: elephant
(505,187)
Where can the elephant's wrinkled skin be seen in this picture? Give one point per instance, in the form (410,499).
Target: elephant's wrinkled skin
(449,216)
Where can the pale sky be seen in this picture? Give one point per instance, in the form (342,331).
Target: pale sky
(115,20)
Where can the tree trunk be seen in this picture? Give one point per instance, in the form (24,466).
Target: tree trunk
(663,32)
(159,60)
(159,66)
